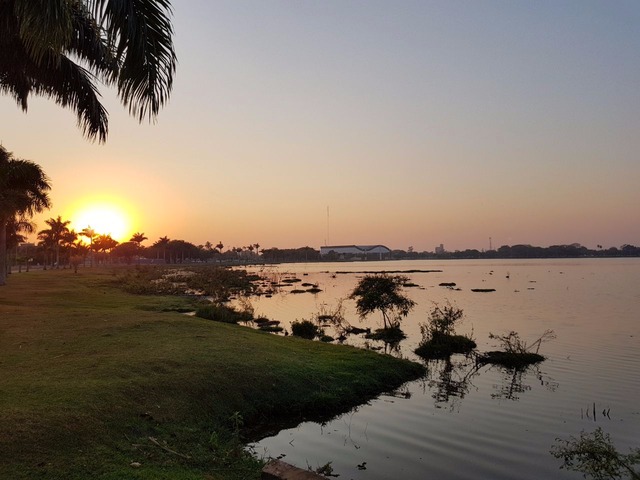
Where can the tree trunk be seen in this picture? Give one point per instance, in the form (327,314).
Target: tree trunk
(3,251)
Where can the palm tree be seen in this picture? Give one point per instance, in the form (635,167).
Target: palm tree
(162,244)
(60,49)
(90,233)
(23,192)
(15,228)
(47,244)
(105,243)
(56,232)
(69,239)
(138,238)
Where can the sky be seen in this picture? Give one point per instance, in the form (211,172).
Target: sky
(403,123)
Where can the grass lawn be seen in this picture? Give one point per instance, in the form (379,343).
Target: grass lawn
(98,383)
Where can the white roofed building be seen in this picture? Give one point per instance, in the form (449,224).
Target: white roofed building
(344,252)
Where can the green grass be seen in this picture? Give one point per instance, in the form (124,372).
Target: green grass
(90,374)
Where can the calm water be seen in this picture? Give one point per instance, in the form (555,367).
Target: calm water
(459,422)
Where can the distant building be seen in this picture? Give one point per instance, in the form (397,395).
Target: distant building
(353,252)
(440,250)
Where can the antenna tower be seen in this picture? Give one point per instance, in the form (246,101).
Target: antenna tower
(328,243)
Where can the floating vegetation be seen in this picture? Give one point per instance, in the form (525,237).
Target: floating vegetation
(222,313)
(447,284)
(271,329)
(443,346)
(297,290)
(270,323)
(290,280)
(390,334)
(304,329)
(388,272)
(594,455)
(517,353)
(410,284)
(439,339)
(483,290)
(509,359)
(357,330)
(314,290)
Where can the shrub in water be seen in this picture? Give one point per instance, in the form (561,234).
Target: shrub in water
(517,353)
(389,335)
(304,329)
(222,313)
(439,339)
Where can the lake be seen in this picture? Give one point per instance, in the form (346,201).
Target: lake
(462,422)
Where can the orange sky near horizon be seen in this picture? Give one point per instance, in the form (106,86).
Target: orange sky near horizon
(432,123)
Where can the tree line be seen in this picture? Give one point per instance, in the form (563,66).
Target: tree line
(574,250)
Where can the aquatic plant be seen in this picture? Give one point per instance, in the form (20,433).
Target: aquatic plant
(222,313)
(439,339)
(305,329)
(513,344)
(392,335)
(516,353)
(595,456)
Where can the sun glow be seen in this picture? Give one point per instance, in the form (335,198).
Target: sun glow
(105,218)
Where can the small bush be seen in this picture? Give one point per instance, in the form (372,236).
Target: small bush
(517,353)
(441,346)
(304,329)
(594,455)
(439,339)
(222,313)
(442,320)
(510,359)
(512,343)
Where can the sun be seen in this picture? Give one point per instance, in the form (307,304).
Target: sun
(105,218)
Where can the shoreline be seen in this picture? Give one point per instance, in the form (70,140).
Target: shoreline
(92,374)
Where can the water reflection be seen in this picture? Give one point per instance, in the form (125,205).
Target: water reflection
(514,382)
(449,380)
(461,418)
(388,348)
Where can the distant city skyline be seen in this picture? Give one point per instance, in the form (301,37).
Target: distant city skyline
(417,123)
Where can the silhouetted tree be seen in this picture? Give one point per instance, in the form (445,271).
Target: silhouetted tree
(14,230)
(89,233)
(24,191)
(161,246)
(54,235)
(384,293)
(125,251)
